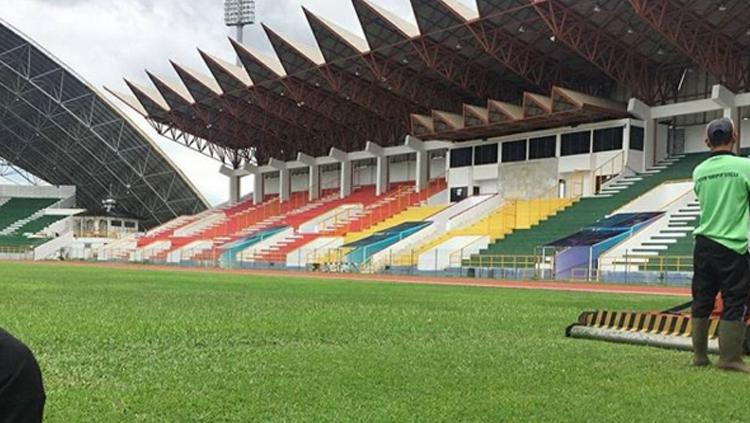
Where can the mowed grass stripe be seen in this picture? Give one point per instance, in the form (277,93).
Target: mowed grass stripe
(137,345)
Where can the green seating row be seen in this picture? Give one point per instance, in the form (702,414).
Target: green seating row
(38,225)
(17,209)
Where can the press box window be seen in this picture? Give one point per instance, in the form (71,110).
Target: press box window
(542,148)
(514,151)
(485,154)
(608,139)
(462,157)
(636,138)
(576,143)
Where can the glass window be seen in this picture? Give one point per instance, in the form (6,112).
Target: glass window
(543,147)
(462,157)
(608,139)
(514,151)
(576,143)
(636,138)
(485,154)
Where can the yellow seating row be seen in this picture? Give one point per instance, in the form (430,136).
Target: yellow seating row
(512,215)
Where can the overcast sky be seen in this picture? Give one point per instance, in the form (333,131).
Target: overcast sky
(106,40)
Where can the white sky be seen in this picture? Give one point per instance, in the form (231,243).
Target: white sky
(106,40)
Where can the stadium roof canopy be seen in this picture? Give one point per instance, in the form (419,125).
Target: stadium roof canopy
(457,61)
(57,127)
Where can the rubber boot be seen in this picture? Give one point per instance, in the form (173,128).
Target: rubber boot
(731,340)
(700,341)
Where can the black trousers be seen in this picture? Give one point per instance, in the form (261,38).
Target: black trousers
(716,269)
(21,389)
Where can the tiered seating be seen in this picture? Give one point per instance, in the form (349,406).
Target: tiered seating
(16,242)
(359,251)
(376,210)
(513,214)
(37,225)
(18,209)
(678,256)
(270,216)
(277,253)
(412,214)
(220,226)
(587,211)
(398,199)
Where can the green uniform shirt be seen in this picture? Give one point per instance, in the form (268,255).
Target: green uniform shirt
(722,184)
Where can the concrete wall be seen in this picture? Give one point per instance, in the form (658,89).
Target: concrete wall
(299,182)
(28,191)
(271,185)
(525,180)
(330,179)
(695,137)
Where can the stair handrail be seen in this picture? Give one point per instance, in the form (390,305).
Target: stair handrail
(610,165)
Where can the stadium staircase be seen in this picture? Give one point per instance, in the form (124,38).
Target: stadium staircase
(375,210)
(672,248)
(589,210)
(234,222)
(358,253)
(39,224)
(412,214)
(20,217)
(397,200)
(16,212)
(512,215)
(277,253)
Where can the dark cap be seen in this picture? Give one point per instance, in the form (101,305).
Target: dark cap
(720,131)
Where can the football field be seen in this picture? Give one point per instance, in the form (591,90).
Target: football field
(121,345)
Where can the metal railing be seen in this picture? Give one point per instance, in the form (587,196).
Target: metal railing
(608,170)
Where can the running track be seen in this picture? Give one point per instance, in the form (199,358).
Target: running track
(417,280)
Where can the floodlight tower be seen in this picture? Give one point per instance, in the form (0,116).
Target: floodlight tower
(238,14)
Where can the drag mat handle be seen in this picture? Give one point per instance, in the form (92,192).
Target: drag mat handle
(678,308)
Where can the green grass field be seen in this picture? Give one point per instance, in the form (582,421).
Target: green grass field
(153,346)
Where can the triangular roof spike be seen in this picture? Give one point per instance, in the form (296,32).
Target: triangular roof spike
(475,115)
(313,54)
(150,93)
(503,112)
(356,42)
(129,101)
(464,11)
(271,63)
(407,28)
(238,72)
(173,86)
(207,81)
(446,121)
(422,124)
(536,105)
(578,99)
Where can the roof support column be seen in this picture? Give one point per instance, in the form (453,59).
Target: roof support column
(346,171)
(258,192)
(642,111)
(313,185)
(284,185)
(423,163)
(381,167)
(727,100)
(235,176)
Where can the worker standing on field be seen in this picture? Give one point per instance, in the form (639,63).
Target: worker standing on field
(21,390)
(721,260)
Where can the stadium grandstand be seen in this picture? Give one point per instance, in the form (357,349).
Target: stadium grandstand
(505,138)
(70,159)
